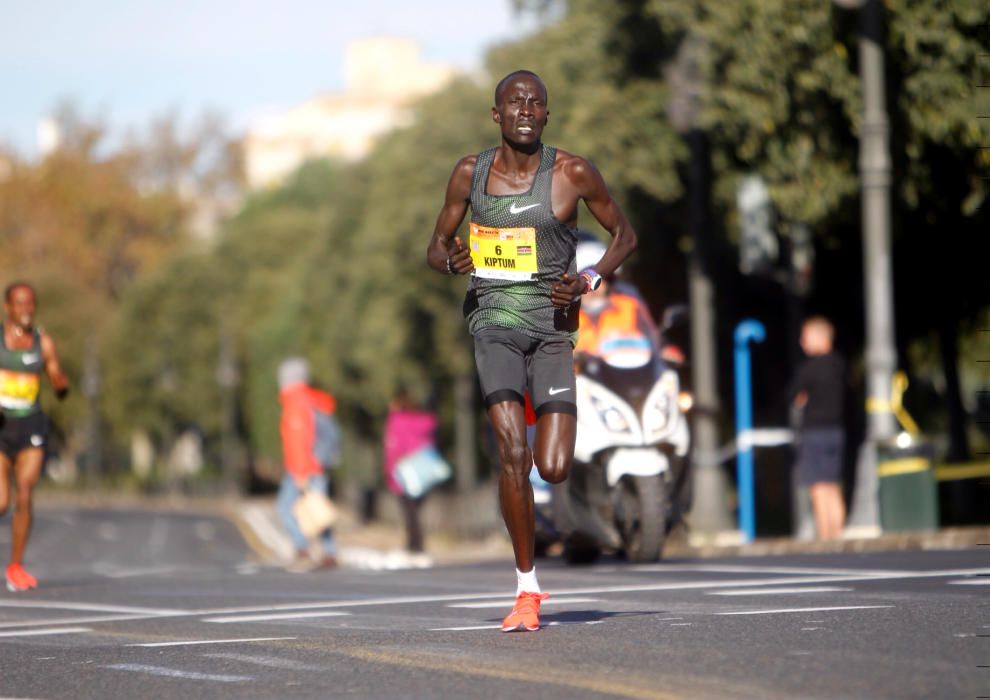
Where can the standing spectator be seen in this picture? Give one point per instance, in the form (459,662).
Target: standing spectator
(408,429)
(303,471)
(818,390)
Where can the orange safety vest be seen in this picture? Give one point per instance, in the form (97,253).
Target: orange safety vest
(618,318)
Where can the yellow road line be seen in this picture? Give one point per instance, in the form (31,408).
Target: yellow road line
(604,683)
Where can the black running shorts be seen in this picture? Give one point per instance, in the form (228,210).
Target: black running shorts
(19,433)
(819,456)
(509,362)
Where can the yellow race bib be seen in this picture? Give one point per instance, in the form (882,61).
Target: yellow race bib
(503,253)
(18,390)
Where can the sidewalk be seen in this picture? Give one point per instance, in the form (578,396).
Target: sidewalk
(376,546)
(380,545)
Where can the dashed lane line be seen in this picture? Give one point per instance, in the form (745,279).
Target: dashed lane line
(794,610)
(554,623)
(783,591)
(507,602)
(277,616)
(193,642)
(51,630)
(72,621)
(89,607)
(137,613)
(176,673)
(267,661)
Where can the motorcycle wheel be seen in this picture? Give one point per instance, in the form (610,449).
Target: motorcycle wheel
(641,516)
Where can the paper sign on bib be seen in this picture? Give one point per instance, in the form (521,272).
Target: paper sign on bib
(18,389)
(503,253)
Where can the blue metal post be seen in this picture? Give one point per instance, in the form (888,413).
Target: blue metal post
(746,331)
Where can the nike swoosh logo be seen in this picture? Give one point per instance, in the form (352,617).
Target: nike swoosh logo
(516,210)
(554,392)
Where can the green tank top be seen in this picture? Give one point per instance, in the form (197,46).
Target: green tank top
(519,250)
(20,377)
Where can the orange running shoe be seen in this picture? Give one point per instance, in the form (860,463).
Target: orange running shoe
(525,613)
(18,579)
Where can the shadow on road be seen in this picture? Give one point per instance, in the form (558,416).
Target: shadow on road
(584,617)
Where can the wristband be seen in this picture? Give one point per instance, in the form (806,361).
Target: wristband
(450,268)
(592,278)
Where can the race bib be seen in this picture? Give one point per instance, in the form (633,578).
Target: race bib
(18,389)
(503,253)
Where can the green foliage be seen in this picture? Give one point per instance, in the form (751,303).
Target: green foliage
(331,265)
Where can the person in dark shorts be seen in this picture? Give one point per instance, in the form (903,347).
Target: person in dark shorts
(523,300)
(819,391)
(25,353)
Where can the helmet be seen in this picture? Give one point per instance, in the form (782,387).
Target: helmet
(589,252)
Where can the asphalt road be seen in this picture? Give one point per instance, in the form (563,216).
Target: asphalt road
(141,605)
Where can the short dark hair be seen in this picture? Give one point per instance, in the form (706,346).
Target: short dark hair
(522,71)
(17,285)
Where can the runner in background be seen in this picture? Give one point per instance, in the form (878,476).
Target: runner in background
(26,353)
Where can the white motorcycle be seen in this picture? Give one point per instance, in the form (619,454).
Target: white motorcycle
(629,458)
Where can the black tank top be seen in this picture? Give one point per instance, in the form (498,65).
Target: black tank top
(519,249)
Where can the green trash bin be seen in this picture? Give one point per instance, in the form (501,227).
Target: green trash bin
(908,490)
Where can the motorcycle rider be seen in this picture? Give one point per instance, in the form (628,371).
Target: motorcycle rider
(613,318)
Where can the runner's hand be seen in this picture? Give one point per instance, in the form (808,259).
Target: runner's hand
(459,256)
(566,290)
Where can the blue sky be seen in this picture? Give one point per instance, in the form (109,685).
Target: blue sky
(127,61)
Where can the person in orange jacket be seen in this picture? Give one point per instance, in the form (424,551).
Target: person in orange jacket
(303,471)
(615,324)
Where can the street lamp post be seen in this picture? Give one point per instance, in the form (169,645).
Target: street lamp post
(709,512)
(881,357)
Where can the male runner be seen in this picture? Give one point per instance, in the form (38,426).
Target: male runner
(522,303)
(25,352)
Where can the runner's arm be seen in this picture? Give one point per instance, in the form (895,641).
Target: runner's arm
(444,245)
(590,186)
(53,369)
(592,189)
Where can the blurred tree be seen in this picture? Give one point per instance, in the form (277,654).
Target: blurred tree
(90,218)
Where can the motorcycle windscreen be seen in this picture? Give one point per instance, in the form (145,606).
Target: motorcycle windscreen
(626,351)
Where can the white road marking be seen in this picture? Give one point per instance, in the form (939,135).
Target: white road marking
(971,582)
(277,616)
(742,569)
(209,641)
(555,623)
(38,633)
(811,629)
(71,621)
(108,531)
(754,583)
(665,619)
(205,530)
(267,662)
(147,571)
(681,624)
(90,607)
(794,610)
(782,591)
(508,602)
(175,673)
(157,537)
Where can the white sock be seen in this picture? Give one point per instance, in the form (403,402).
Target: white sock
(526,581)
